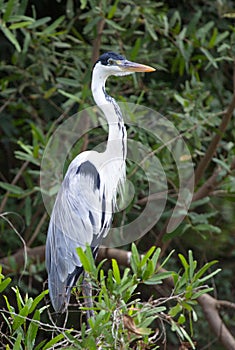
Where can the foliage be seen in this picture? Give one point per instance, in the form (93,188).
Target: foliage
(48,49)
(23,324)
(122,319)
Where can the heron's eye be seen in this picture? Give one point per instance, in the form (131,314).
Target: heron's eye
(111,62)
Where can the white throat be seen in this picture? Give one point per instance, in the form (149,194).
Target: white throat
(117,143)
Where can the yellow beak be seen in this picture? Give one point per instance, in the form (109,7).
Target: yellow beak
(128,66)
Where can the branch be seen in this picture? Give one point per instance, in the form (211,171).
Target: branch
(210,308)
(211,183)
(203,164)
(209,304)
(16,261)
(226,303)
(14,181)
(37,230)
(97,41)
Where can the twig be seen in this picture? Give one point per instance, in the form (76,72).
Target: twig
(14,181)
(97,41)
(28,231)
(211,183)
(34,254)
(6,103)
(208,186)
(4,217)
(209,304)
(37,230)
(225,303)
(203,164)
(209,307)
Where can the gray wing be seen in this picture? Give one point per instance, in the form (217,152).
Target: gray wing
(79,217)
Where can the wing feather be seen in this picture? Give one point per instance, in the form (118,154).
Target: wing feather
(79,217)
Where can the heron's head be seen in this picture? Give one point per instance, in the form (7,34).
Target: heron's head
(111,63)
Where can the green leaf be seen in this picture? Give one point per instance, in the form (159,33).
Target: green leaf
(193,23)
(113,10)
(40,345)
(37,300)
(90,257)
(156,279)
(17,344)
(27,41)
(39,22)
(175,310)
(222,163)
(135,258)
(179,231)
(70,96)
(199,202)
(27,157)
(181,319)
(53,341)
(115,25)
(27,148)
(135,50)
(202,280)
(201,292)
(32,331)
(84,259)
(10,308)
(151,30)
(155,257)
(83,4)
(203,270)
(192,264)
(209,57)
(213,38)
(116,272)
(4,284)
(20,302)
(20,25)
(51,28)
(98,268)
(20,318)
(148,270)
(204,30)
(22,6)
(67,81)
(10,5)
(167,258)
(188,292)
(181,100)
(38,133)
(184,262)
(186,336)
(20,18)
(10,36)
(11,188)
(147,256)
(28,210)
(207,227)
(70,9)
(181,282)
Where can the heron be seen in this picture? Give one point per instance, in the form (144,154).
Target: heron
(84,206)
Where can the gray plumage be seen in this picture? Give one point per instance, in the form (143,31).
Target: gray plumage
(83,209)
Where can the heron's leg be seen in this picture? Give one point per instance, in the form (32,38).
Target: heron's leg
(87,294)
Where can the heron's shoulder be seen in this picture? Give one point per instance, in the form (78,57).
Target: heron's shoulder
(83,157)
(85,164)
(83,171)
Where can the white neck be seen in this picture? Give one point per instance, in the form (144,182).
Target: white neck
(117,132)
